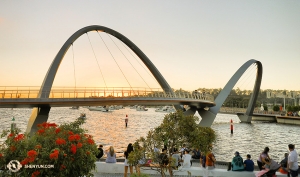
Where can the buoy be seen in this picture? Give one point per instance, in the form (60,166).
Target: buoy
(126,120)
(231,126)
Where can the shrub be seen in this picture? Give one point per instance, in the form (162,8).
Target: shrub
(67,148)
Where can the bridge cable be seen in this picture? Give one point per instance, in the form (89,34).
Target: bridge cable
(74,66)
(251,75)
(97,61)
(147,70)
(249,72)
(129,61)
(116,63)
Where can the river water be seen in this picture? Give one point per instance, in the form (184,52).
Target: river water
(108,128)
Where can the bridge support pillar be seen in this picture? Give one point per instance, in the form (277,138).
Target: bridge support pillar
(244,118)
(38,116)
(208,117)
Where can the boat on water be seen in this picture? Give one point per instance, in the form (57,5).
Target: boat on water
(82,116)
(74,107)
(98,108)
(167,109)
(141,108)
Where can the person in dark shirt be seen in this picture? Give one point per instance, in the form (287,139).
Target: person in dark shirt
(249,164)
(100,152)
(163,158)
(196,154)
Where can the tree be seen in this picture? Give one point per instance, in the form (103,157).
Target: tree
(176,129)
(275,108)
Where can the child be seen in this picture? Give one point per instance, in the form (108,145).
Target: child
(249,164)
(265,170)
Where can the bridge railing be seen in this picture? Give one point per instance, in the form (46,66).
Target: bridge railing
(98,92)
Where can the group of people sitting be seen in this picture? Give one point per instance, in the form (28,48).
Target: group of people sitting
(266,165)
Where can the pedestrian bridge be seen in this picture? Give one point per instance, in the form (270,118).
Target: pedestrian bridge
(20,97)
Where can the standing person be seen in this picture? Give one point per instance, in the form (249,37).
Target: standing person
(210,162)
(126,120)
(261,159)
(126,154)
(249,164)
(100,153)
(292,165)
(110,155)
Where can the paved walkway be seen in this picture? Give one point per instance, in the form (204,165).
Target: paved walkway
(195,164)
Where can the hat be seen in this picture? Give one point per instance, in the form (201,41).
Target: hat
(236,153)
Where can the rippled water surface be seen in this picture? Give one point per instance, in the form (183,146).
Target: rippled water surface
(108,128)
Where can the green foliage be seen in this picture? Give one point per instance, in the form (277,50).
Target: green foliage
(265,108)
(275,108)
(66,147)
(177,129)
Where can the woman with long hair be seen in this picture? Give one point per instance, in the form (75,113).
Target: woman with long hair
(110,155)
(126,154)
(261,158)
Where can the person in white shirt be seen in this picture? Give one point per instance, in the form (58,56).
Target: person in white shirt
(292,166)
(186,158)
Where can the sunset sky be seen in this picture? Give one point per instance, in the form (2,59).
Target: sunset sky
(195,43)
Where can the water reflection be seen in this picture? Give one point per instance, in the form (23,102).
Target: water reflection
(108,128)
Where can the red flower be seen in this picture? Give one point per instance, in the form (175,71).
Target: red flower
(54,155)
(73,149)
(12,148)
(19,137)
(31,159)
(90,141)
(79,145)
(62,167)
(41,131)
(65,155)
(74,137)
(24,162)
(31,153)
(1,155)
(35,174)
(38,146)
(71,133)
(11,135)
(88,153)
(57,130)
(60,141)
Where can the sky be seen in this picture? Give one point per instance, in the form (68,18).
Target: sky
(194,44)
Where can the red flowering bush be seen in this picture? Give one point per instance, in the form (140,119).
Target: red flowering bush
(66,148)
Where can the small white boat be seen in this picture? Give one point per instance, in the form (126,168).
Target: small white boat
(166,109)
(98,108)
(82,116)
(141,108)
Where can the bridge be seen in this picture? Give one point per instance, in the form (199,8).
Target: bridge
(44,97)
(21,97)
